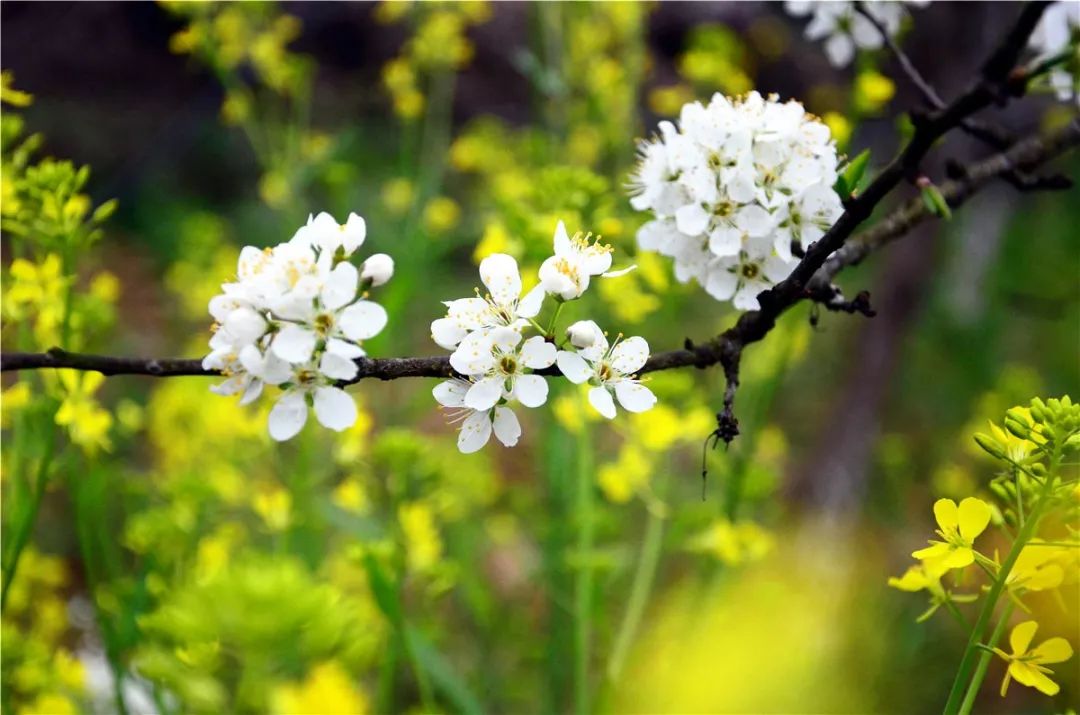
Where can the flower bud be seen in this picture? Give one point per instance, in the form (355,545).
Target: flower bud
(584,334)
(377,269)
(991,445)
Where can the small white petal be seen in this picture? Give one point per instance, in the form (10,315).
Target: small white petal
(574,367)
(378,269)
(288,415)
(251,392)
(506,425)
(362,320)
(601,400)
(345,349)
(484,393)
(336,367)
(499,272)
(294,343)
(692,219)
(244,325)
(447,333)
(451,393)
(475,432)
(633,396)
(538,353)
(529,306)
(721,283)
(630,355)
(531,390)
(334,408)
(562,240)
(340,288)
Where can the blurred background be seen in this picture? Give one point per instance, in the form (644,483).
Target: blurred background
(177,560)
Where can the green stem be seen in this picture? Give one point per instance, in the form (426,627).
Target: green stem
(583,588)
(550,332)
(26,525)
(984,660)
(952,705)
(639,592)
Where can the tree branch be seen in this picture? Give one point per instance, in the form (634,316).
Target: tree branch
(812,276)
(1029,153)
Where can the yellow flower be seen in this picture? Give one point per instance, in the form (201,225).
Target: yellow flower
(53,704)
(397,195)
(441,214)
(328,690)
(350,496)
(88,424)
(1026,666)
(9,94)
(873,90)
(275,508)
(959,527)
(1036,568)
(421,535)
(921,578)
(622,479)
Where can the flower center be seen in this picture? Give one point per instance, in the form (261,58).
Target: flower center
(305,376)
(749,270)
(508,364)
(606,372)
(724,209)
(324,323)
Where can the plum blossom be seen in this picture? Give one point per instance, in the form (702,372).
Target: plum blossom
(566,274)
(477,426)
(502,306)
(739,182)
(1058,29)
(610,370)
(844,29)
(295,318)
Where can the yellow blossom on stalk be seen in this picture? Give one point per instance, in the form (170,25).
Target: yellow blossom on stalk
(839,126)
(1026,665)
(87,423)
(873,91)
(397,195)
(629,474)
(350,496)
(958,528)
(1036,568)
(734,543)
(274,505)
(53,704)
(920,578)
(496,239)
(441,215)
(38,290)
(327,690)
(1003,444)
(13,399)
(668,101)
(422,541)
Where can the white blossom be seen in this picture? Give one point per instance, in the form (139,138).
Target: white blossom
(610,371)
(295,317)
(476,425)
(748,177)
(844,29)
(1057,31)
(502,306)
(377,270)
(566,274)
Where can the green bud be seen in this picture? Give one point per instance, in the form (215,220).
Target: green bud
(990,445)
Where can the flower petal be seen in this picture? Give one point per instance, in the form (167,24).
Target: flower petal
(1053,650)
(1021,635)
(475,432)
(499,272)
(340,287)
(451,393)
(633,396)
(336,367)
(691,219)
(531,390)
(288,415)
(562,240)
(946,514)
(600,399)
(630,355)
(484,393)
(345,349)
(538,353)
(530,305)
(973,515)
(447,333)
(334,408)
(294,343)
(574,367)
(362,320)
(506,426)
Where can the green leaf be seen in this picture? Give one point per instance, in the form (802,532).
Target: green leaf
(442,675)
(935,201)
(853,173)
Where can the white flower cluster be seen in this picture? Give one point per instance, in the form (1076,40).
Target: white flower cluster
(733,187)
(1058,31)
(499,364)
(295,318)
(844,29)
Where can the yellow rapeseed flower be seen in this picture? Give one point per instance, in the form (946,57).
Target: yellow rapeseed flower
(1026,663)
(441,215)
(958,529)
(274,505)
(87,423)
(422,541)
(327,690)
(397,195)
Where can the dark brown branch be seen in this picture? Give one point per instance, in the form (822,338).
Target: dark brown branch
(812,275)
(992,135)
(723,350)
